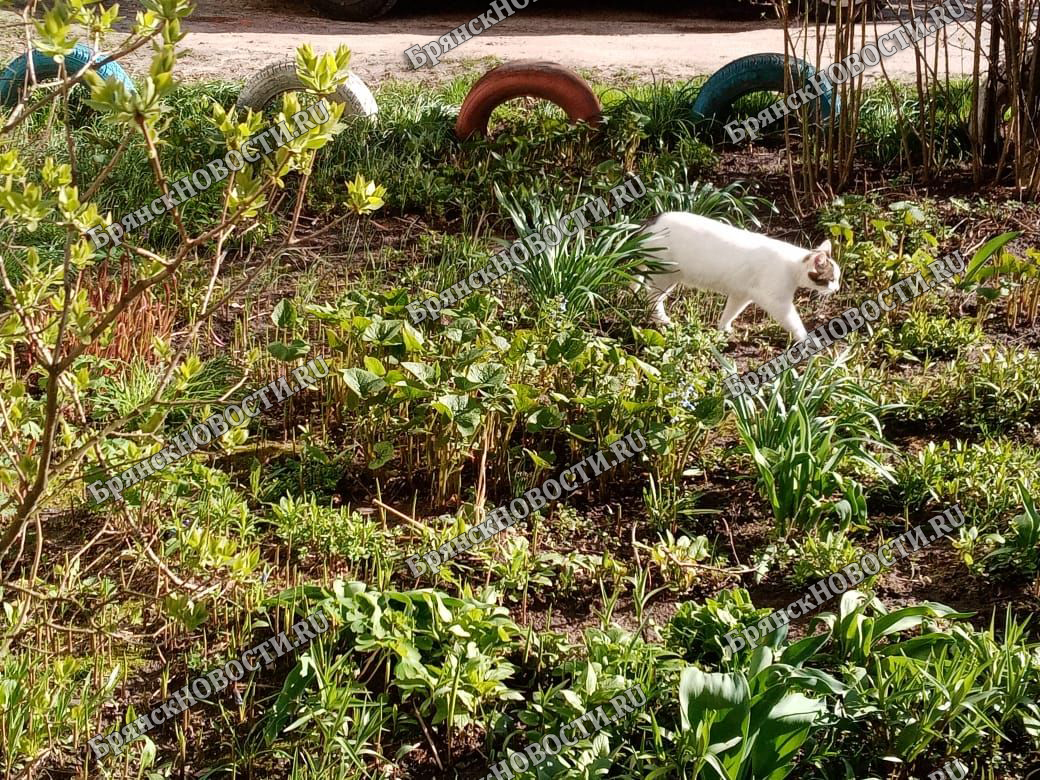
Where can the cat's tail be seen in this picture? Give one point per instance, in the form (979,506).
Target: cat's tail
(645,226)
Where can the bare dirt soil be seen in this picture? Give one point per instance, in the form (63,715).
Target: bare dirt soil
(606,39)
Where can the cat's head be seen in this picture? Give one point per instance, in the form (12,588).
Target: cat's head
(821,272)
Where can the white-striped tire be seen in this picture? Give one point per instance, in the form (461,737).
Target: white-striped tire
(279,78)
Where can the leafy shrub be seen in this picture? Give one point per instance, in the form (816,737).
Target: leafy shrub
(47,703)
(925,335)
(428,399)
(733,203)
(991,390)
(609,662)
(582,272)
(664,111)
(120,391)
(982,477)
(1016,552)
(816,557)
(325,531)
(210,525)
(514,568)
(946,686)
(883,242)
(679,559)
(445,657)
(1000,392)
(748,723)
(890,119)
(697,629)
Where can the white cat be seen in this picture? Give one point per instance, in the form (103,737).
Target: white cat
(748,267)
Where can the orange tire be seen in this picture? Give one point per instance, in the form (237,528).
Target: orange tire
(527,78)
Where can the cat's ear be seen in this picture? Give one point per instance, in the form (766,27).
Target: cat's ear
(825,247)
(820,262)
(818,259)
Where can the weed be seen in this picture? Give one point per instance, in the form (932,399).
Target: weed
(803,433)
(982,477)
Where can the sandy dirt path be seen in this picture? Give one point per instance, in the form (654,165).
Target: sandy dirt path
(230,40)
(610,43)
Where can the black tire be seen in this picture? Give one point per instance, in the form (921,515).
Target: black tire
(355,10)
(827,10)
(279,78)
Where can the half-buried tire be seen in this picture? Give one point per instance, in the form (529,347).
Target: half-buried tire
(758,73)
(13,78)
(279,78)
(355,10)
(527,78)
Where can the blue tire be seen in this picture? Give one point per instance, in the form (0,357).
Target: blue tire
(12,80)
(758,73)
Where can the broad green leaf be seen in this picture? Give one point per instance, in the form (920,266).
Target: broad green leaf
(985,252)
(383,452)
(287,353)
(700,691)
(361,382)
(284,313)
(798,709)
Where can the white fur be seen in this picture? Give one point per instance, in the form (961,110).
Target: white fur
(747,267)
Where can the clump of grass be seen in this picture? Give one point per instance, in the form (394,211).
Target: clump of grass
(580,274)
(991,390)
(982,477)
(323,531)
(932,336)
(890,116)
(734,203)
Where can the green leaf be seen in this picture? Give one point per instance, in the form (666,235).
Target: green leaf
(986,251)
(294,686)
(284,313)
(488,375)
(451,405)
(700,691)
(537,459)
(468,422)
(362,383)
(383,454)
(375,365)
(911,617)
(287,353)
(412,338)
(797,709)
(425,373)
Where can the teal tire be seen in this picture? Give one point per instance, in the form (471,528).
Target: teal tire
(758,73)
(13,79)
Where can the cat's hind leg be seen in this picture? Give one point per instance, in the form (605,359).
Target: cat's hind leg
(658,297)
(787,315)
(734,306)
